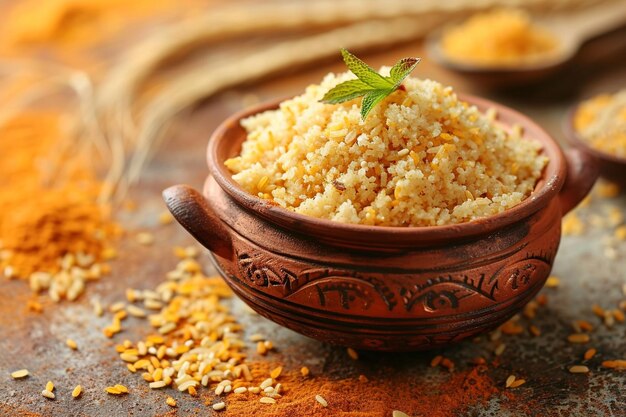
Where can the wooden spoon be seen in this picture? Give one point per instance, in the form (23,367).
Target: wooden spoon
(571,30)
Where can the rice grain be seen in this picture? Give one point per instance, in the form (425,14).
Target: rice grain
(219,406)
(48,394)
(77,391)
(578,338)
(579,369)
(22,373)
(321,400)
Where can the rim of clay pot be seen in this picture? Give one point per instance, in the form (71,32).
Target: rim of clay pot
(574,139)
(226,142)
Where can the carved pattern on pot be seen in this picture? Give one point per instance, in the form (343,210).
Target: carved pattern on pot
(347,286)
(265,276)
(349,290)
(445,292)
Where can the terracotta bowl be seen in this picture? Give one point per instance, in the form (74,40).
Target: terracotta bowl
(501,76)
(611,167)
(381,288)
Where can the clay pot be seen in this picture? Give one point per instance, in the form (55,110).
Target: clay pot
(381,288)
(611,167)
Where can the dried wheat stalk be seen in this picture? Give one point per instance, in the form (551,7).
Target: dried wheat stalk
(84,128)
(119,87)
(122,84)
(201,82)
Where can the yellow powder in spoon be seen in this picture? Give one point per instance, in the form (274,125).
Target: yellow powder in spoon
(499,37)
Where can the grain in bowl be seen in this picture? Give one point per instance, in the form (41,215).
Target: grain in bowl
(601,122)
(422,157)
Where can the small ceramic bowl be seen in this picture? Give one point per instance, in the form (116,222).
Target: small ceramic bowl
(500,76)
(381,288)
(612,168)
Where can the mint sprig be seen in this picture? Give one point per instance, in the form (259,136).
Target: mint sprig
(369,84)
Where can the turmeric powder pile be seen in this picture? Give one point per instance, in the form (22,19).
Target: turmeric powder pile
(498,37)
(75,23)
(52,231)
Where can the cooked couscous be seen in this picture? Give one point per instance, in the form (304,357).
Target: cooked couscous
(422,157)
(601,121)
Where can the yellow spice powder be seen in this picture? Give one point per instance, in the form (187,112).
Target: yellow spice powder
(503,36)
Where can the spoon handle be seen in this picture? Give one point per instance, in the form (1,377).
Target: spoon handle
(584,25)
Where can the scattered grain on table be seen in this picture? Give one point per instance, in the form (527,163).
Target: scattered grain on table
(276,372)
(553,282)
(48,394)
(589,353)
(165,218)
(509,381)
(145,238)
(71,344)
(448,364)
(77,391)
(517,383)
(512,327)
(22,373)
(534,330)
(321,400)
(614,364)
(352,354)
(583,326)
(579,369)
(578,338)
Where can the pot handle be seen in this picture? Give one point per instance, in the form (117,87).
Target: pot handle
(582,173)
(192,211)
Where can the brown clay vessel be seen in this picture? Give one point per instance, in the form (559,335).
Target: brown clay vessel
(381,288)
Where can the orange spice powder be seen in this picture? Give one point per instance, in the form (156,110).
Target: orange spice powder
(498,37)
(48,199)
(457,392)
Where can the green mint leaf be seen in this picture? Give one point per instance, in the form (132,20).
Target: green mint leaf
(364,72)
(371,99)
(346,91)
(402,69)
(369,84)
